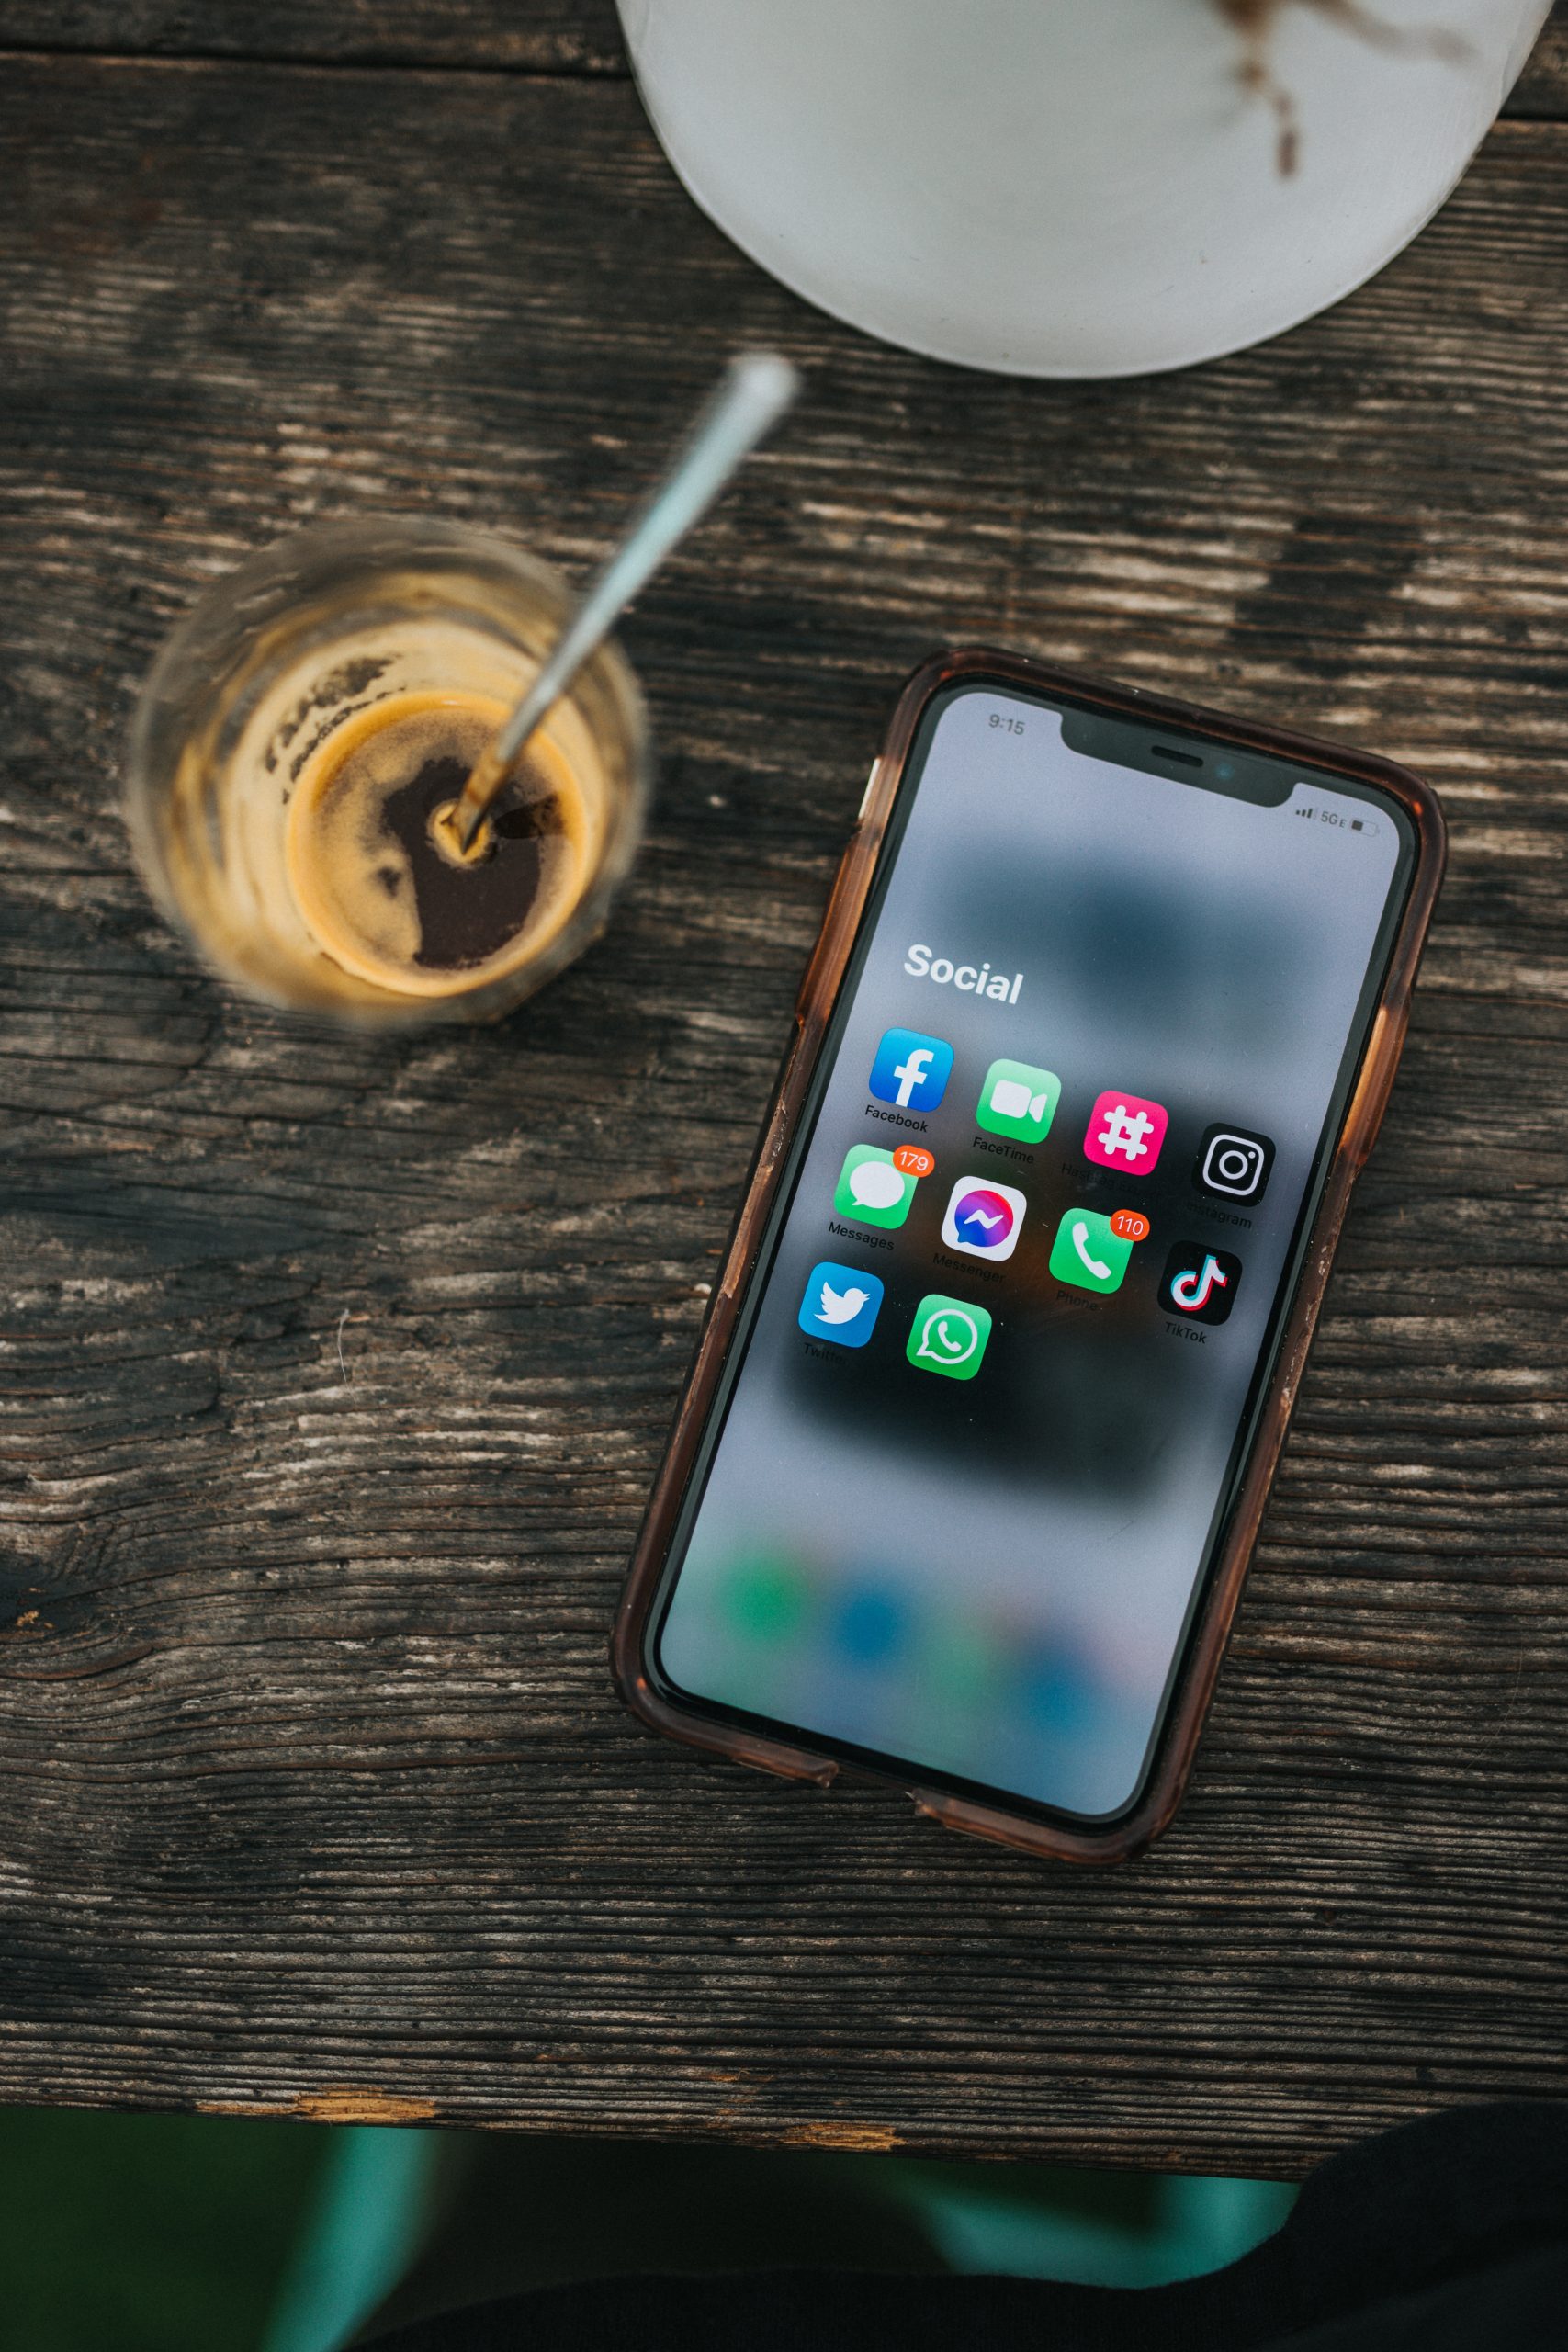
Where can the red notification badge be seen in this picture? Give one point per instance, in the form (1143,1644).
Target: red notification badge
(913,1160)
(1130,1224)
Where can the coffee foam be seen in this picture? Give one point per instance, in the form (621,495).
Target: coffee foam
(376,892)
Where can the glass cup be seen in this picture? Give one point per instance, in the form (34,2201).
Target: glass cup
(296,650)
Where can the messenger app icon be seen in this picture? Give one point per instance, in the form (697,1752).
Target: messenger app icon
(871,1190)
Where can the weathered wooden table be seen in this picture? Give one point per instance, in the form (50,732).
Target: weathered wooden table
(336,1371)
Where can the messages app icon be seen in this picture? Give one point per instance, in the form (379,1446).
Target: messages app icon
(871,1188)
(1018,1099)
(948,1336)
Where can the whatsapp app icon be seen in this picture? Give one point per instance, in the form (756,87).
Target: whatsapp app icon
(948,1336)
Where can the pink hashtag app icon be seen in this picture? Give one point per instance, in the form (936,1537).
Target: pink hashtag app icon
(1126,1132)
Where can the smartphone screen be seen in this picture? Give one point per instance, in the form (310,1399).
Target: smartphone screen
(990,1392)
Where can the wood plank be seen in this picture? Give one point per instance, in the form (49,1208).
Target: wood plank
(337,1370)
(1541,90)
(533,35)
(538,35)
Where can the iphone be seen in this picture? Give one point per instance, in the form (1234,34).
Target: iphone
(1099,1028)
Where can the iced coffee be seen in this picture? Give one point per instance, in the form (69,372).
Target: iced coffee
(299,747)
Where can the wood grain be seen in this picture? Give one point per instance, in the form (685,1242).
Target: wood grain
(336,1371)
(533,36)
(536,36)
(1541,90)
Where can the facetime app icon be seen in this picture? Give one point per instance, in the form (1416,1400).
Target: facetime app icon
(1018,1099)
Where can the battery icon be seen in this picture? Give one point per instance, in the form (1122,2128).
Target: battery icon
(1356,826)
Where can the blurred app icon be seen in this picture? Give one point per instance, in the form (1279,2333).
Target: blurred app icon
(840,1302)
(871,1624)
(871,1188)
(985,1220)
(1090,1253)
(948,1336)
(911,1070)
(765,1596)
(1018,1099)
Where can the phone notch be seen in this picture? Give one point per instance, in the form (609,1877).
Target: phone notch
(1211,767)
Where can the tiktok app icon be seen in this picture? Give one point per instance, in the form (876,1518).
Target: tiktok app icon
(1199,1283)
(1126,1132)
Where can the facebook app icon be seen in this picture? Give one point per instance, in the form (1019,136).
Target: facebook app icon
(910,1070)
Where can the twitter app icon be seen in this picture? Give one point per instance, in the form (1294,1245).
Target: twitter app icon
(842,1303)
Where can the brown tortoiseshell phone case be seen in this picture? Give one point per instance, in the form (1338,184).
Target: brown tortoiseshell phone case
(1001,1817)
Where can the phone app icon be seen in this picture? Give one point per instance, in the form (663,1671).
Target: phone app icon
(840,1302)
(983,1218)
(1125,1132)
(1018,1099)
(1232,1164)
(948,1336)
(1199,1283)
(1090,1253)
(872,1189)
(911,1070)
